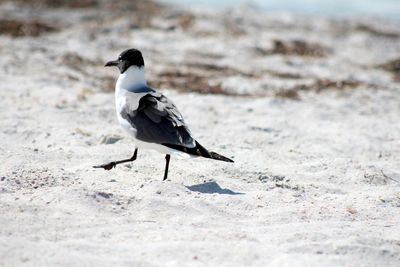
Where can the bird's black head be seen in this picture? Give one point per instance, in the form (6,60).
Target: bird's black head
(130,57)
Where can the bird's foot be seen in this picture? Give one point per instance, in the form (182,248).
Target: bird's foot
(107,166)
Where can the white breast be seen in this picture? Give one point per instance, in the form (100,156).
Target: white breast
(127,83)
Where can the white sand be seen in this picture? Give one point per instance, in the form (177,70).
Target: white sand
(313,182)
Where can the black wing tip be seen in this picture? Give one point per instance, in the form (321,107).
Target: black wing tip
(200,151)
(217,156)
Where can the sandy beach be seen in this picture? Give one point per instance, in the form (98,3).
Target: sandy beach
(308,108)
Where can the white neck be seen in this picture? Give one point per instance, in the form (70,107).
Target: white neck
(133,78)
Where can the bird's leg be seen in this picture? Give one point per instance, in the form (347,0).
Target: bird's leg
(167,158)
(112,164)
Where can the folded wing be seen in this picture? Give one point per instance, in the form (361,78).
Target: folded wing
(157,120)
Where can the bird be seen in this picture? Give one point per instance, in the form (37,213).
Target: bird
(150,117)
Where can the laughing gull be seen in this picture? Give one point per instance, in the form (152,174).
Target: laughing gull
(150,117)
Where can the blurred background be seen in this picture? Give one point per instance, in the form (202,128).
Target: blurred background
(314,38)
(386,8)
(303,95)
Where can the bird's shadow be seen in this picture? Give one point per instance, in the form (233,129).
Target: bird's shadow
(212,188)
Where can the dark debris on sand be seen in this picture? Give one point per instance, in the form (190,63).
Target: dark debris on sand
(377,32)
(16,28)
(197,77)
(392,66)
(295,47)
(186,81)
(317,86)
(149,7)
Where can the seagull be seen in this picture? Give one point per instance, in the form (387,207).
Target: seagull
(150,117)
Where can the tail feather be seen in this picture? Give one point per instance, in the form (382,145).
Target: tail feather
(217,156)
(199,150)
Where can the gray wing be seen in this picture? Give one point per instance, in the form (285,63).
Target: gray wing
(157,120)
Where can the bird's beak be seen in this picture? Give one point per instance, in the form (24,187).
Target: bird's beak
(111,63)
